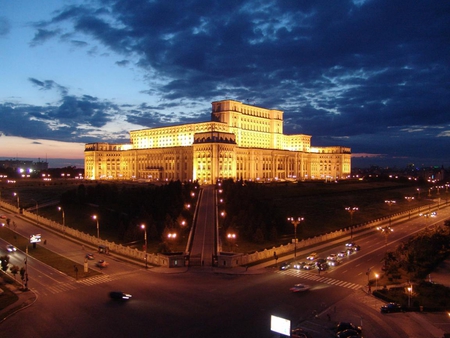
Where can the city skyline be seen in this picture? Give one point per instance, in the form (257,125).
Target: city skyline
(370,75)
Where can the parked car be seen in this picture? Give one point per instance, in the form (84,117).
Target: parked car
(342,326)
(391,307)
(348,333)
(11,248)
(119,295)
(300,288)
(102,263)
(285,266)
(312,256)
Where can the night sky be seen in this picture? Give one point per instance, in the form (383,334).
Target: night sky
(371,75)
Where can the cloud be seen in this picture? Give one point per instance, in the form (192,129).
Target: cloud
(5,26)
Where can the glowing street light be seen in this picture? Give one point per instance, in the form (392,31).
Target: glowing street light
(18,200)
(351,210)
(390,202)
(231,237)
(95,217)
(295,222)
(145,243)
(376,281)
(63,219)
(172,235)
(409,199)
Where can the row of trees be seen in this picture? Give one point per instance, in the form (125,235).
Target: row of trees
(122,207)
(420,254)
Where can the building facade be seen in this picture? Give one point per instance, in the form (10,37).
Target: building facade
(240,142)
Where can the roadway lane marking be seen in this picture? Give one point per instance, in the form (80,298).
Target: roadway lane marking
(321,279)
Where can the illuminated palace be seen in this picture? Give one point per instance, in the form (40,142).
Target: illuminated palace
(240,142)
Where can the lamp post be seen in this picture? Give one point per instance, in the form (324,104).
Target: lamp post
(385,231)
(95,217)
(231,237)
(295,222)
(409,294)
(145,243)
(351,210)
(409,199)
(376,281)
(390,202)
(18,200)
(63,219)
(37,211)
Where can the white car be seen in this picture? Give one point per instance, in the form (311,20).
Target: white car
(334,262)
(300,288)
(332,257)
(312,256)
(342,254)
(11,248)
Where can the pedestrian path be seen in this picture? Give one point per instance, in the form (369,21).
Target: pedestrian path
(95,280)
(321,279)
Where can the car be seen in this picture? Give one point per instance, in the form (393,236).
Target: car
(332,257)
(102,263)
(320,261)
(342,326)
(356,248)
(299,265)
(312,256)
(300,288)
(309,266)
(285,266)
(334,262)
(391,307)
(323,266)
(350,244)
(90,256)
(342,254)
(3,216)
(119,295)
(348,333)
(11,248)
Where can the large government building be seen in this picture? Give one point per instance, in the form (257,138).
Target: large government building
(240,142)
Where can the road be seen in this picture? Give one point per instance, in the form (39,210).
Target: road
(205,301)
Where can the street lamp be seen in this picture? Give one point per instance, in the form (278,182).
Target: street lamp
(409,199)
(231,237)
(376,281)
(18,200)
(95,217)
(409,294)
(351,210)
(386,230)
(145,243)
(63,219)
(390,202)
(295,222)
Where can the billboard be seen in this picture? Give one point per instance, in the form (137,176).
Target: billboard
(280,325)
(35,238)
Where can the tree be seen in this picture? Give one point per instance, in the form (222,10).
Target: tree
(4,262)
(14,270)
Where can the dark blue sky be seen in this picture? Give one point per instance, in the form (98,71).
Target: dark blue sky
(371,75)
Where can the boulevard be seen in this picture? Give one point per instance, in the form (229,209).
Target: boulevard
(207,301)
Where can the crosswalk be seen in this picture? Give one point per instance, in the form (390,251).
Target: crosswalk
(321,279)
(72,285)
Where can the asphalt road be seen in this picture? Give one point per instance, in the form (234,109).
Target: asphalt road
(204,301)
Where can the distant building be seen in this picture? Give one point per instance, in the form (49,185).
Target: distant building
(240,142)
(23,166)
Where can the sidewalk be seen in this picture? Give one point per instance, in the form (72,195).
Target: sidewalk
(25,299)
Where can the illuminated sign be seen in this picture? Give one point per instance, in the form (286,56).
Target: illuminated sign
(35,238)
(280,325)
